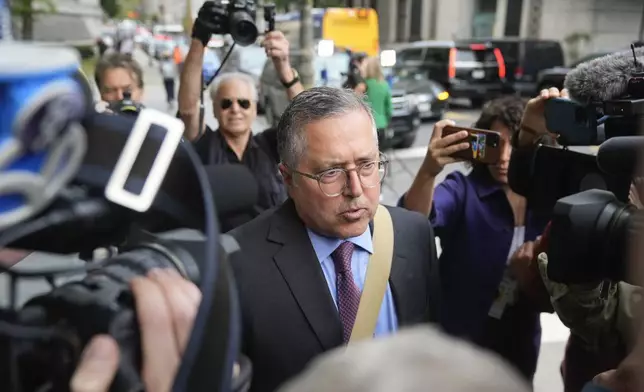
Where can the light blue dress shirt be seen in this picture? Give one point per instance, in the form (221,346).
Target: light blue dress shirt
(387,322)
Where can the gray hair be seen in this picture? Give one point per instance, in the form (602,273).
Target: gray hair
(228,77)
(312,105)
(416,359)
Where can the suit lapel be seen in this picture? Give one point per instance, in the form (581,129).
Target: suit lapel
(302,272)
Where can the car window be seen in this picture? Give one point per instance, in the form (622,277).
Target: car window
(541,55)
(475,56)
(407,74)
(437,55)
(411,54)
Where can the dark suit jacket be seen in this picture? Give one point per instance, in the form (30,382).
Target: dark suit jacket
(288,313)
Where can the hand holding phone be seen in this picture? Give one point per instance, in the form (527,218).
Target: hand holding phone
(484,145)
(442,147)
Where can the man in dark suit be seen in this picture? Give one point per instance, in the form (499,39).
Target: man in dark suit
(302,266)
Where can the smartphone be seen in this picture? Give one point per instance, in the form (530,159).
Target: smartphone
(485,146)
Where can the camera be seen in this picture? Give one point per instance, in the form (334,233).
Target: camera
(585,196)
(95,179)
(241,16)
(126,106)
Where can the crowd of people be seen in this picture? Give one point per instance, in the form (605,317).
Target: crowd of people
(305,246)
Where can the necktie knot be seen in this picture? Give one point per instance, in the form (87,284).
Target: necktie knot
(342,257)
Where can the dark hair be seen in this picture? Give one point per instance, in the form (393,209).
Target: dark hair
(118,60)
(507,110)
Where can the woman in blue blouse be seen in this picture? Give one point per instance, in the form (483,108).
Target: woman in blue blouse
(481,223)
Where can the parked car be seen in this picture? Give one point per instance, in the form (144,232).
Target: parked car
(329,71)
(554,77)
(524,59)
(414,98)
(473,71)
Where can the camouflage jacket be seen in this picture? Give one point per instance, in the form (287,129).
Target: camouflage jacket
(603,315)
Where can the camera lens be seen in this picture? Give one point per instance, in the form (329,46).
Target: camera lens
(243,29)
(589,238)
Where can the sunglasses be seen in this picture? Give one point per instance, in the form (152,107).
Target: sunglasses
(228,103)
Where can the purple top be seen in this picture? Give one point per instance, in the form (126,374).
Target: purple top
(474,221)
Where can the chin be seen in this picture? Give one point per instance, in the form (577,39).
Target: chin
(352,229)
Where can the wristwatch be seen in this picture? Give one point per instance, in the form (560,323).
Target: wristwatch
(296,78)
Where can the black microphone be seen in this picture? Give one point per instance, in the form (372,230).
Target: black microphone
(604,78)
(619,156)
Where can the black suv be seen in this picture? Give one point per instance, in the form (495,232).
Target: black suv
(474,71)
(554,77)
(524,60)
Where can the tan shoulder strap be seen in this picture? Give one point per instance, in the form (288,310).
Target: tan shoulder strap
(378,270)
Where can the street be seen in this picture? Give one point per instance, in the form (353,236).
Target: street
(404,164)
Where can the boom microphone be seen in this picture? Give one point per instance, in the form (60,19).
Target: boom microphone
(604,78)
(619,156)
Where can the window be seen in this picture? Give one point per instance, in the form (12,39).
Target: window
(406,55)
(478,56)
(437,55)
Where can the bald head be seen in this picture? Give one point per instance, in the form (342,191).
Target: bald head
(416,359)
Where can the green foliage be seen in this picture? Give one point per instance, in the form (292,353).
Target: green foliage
(111,7)
(127,6)
(27,10)
(32,7)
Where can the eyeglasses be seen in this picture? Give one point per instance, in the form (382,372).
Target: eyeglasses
(228,103)
(334,181)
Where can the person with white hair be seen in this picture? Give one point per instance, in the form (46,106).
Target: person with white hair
(416,359)
(234,99)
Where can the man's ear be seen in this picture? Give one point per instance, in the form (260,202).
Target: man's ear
(286,175)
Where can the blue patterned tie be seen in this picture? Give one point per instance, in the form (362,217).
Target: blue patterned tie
(348,293)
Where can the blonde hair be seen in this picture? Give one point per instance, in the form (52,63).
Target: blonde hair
(373,70)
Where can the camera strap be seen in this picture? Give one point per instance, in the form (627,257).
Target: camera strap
(377,278)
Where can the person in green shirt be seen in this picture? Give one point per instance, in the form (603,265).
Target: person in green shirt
(378,95)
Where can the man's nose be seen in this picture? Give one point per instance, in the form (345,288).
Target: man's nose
(235,108)
(354,186)
(119,95)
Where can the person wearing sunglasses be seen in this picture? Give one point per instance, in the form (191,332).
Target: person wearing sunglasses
(234,99)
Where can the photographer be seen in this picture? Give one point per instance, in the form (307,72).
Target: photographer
(116,75)
(481,223)
(603,317)
(355,79)
(234,100)
(166,306)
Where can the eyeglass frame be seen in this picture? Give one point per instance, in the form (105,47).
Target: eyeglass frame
(317,177)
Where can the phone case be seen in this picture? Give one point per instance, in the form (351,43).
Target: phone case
(485,146)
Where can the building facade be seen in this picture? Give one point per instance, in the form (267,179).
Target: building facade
(583,26)
(75,22)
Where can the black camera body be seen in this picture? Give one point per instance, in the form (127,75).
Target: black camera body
(126,106)
(240,18)
(586,197)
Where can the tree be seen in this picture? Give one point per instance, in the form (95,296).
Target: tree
(27,11)
(307,73)
(111,7)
